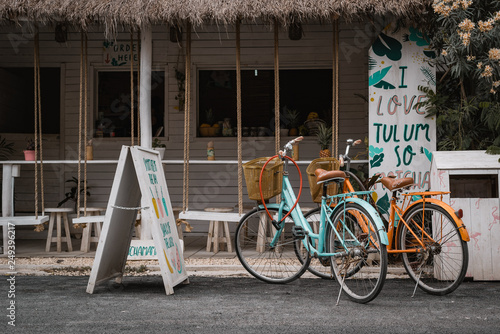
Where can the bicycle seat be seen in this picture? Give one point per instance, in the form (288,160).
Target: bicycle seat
(396,184)
(327,176)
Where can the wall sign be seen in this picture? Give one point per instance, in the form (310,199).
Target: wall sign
(401,137)
(139,174)
(118,53)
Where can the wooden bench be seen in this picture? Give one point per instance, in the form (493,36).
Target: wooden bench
(7,222)
(218,225)
(87,237)
(89,220)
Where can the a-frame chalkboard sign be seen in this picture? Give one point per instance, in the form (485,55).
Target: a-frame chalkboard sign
(139,173)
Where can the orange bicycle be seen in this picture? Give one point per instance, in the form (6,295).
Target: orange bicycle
(428,234)
(424,231)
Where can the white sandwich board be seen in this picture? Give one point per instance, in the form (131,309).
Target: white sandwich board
(139,172)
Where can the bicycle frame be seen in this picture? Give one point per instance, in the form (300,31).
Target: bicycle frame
(394,227)
(288,199)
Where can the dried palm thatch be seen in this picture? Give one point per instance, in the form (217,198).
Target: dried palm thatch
(136,13)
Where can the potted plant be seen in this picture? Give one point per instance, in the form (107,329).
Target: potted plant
(72,195)
(6,149)
(324,137)
(293,121)
(29,152)
(159,146)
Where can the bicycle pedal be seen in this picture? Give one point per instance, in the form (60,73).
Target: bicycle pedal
(298,232)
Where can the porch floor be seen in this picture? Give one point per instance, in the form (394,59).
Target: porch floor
(194,248)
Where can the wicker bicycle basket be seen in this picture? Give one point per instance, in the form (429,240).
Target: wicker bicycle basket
(272,178)
(316,189)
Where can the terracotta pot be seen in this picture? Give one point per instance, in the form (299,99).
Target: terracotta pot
(29,155)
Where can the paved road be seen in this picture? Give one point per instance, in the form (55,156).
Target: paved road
(59,304)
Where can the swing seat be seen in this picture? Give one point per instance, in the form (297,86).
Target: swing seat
(8,224)
(219,218)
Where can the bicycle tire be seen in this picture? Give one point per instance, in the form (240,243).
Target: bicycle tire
(357,181)
(279,264)
(441,268)
(362,270)
(320,268)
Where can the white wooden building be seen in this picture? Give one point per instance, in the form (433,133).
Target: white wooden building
(213,49)
(472,177)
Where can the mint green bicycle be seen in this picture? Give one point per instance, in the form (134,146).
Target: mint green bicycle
(270,240)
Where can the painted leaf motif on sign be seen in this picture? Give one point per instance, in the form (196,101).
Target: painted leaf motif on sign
(387,46)
(375,150)
(383,204)
(384,85)
(376,77)
(377,160)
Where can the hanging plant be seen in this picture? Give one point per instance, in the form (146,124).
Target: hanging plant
(181,88)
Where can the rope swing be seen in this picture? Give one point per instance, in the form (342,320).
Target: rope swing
(238,118)
(335,95)
(82,120)
(276,89)
(187,109)
(132,130)
(138,85)
(38,125)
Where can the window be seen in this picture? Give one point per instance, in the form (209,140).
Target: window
(17,110)
(114,102)
(474,186)
(302,90)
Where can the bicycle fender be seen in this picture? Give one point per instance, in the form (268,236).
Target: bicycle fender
(271,206)
(372,212)
(461,227)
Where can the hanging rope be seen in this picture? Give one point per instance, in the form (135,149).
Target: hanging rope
(335,95)
(132,130)
(38,125)
(187,107)
(276,89)
(138,85)
(85,110)
(80,114)
(238,118)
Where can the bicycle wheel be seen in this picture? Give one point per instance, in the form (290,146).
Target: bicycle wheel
(278,264)
(440,266)
(355,181)
(319,266)
(361,264)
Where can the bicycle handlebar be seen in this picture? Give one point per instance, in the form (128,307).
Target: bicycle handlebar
(345,157)
(288,146)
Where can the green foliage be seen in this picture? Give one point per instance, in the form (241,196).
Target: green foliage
(466,103)
(6,149)
(72,195)
(157,143)
(324,136)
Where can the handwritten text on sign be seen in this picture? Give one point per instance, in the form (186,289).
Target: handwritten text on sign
(119,53)
(401,137)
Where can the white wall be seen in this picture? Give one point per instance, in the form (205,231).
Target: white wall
(212,47)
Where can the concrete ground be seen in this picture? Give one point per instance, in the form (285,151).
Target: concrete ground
(48,295)
(59,304)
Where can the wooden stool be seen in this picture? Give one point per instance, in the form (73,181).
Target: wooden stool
(87,237)
(216,231)
(58,214)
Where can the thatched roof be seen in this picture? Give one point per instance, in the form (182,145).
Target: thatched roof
(139,12)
